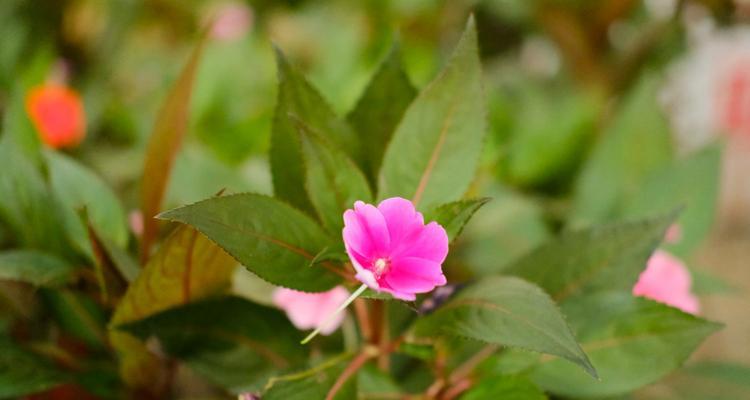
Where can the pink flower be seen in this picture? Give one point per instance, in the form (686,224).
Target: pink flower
(667,280)
(57,113)
(232,21)
(310,310)
(674,234)
(393,250)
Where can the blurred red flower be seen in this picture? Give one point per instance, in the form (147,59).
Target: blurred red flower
(57,113)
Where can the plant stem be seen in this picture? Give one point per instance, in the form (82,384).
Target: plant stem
(360,310)
(333,315)
(350,370)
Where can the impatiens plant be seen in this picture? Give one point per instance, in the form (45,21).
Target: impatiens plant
(363,242)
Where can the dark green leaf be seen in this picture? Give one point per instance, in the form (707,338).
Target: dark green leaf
(270,238)
(164,143)
(313,383)
(232,341)
(78,315)
(631,341)
(692,182)
(713,380)
(435,149)
(505,388)
(23,373)
(608,257)
(333,181)
(510,312)
(453,216)
(298,99)
(633,145)
(379,110)
(34,267)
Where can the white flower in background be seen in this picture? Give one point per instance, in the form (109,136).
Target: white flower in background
(708,92)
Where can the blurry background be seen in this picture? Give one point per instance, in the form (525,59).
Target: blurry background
(598,110)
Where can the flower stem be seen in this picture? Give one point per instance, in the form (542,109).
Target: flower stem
(333,315)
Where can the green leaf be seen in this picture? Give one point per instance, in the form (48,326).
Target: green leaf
(297,98)
(187,266)
(715,380)
(270,238)
(333,181)
(506,388)
(78,315)
(631,341)
(78,188)
(691,182)
(608,257)
(23,373)
(552,132)
(250,340)
(34,267)
(435,149)
(506,228)
(454,216)
(27,207)
(313,383)
(164,143)
(633,145)
(380,109)
(510,312)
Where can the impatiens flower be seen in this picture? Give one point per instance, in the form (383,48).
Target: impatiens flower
(232,20)
(393,250)
(57,113)
(708,92)
(667,280)
(311,310)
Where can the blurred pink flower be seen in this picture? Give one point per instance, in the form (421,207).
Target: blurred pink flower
(674,234)
(135,220)
(310,310)
(393,250)
(232,21)
(667,280)
(708,92)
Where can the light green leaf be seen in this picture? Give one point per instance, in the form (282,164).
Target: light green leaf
(79,188)
(27,207)
(297,98)
(333,181)
(506,311)
(633,145)
(454,216)
(715,380)
(608,257)
(693,183)
(313,383)
(435,149)
(164,143)
(379,110)
(505,388)
(270,238)
(501,231)
(34,267)
(23,373)
(250,340)
(631,341)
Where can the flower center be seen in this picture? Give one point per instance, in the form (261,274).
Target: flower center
(381,266)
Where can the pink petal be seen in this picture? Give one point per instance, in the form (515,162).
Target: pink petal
(402,219)
(310,310)
(373,224)
(415,275)
(355,235)
(431,244)
(667,280)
